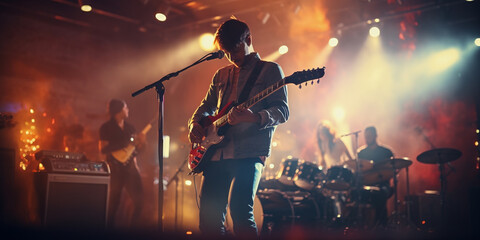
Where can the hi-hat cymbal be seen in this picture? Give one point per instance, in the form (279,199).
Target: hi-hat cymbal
(394,163)
(439,155)
(364,164)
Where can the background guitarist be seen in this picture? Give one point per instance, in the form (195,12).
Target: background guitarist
(117,134)
(247,141)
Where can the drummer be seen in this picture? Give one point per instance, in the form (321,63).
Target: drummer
(333,151)
(373,151)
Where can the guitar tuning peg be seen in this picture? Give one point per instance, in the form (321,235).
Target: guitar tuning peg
(311,83)
(306,83)
(318,80)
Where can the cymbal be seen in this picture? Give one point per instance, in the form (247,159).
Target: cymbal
(364,164)
(394,163)
(439,155)
(377,176)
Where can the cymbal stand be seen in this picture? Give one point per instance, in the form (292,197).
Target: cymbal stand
(443,188)
(409,201)
(443,182)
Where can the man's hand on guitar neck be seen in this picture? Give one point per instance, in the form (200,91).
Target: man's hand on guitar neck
(196,133)
(239,114)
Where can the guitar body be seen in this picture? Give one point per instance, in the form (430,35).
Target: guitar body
(123,155)
(201,153)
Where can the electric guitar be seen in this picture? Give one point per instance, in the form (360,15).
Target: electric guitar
(124,155)
(215,126)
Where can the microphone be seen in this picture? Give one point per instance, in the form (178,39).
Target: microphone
(214,55)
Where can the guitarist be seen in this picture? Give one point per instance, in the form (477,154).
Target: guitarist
(117,134)
(241,155)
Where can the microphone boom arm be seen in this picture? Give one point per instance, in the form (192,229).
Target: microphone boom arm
(207,57)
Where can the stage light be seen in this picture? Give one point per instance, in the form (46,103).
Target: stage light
(442,60)
(374,31)
(206,42)
(477,42)
(161,17)
(188,182)
(85,5)
(283,49)
(271,165)
(162,11)
(377,20)
(31,110)
(166,146)
(333,42)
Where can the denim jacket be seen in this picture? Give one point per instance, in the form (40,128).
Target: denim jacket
(249,139)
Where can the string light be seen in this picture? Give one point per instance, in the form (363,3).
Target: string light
(29,140)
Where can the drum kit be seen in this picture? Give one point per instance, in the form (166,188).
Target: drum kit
(302,193)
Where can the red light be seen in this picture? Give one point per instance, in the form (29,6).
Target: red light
(423,222)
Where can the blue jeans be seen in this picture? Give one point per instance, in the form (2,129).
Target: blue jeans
(217,179)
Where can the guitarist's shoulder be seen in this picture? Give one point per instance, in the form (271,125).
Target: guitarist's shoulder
(273,69)
(270,64)
(225,69)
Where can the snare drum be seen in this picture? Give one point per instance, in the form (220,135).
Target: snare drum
(339,178)
(287,171)
(307,176)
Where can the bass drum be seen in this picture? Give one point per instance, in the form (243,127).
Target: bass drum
(284,210)
(257,213)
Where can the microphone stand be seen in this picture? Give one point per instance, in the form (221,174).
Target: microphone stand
(160,89)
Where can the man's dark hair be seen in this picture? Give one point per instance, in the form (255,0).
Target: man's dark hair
(115,106)
(371,129)
(230,34)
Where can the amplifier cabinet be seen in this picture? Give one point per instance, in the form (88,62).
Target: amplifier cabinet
(73,201)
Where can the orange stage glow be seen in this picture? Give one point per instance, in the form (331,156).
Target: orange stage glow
(310,36)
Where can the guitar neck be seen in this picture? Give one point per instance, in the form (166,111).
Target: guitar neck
(254,100)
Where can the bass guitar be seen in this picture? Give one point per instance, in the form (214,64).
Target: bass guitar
(215,126)
(124,155)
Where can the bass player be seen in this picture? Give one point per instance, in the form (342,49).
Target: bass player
(115,136)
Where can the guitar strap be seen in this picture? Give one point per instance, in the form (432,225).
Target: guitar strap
(250,82)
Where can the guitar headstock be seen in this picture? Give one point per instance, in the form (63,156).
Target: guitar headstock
(300,77)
